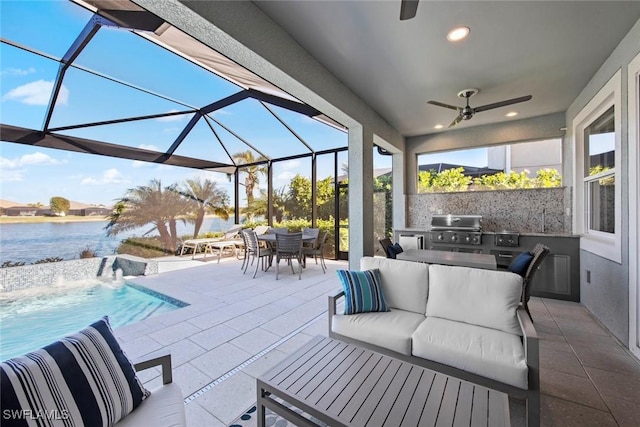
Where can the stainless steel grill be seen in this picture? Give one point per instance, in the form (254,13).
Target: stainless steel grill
(459,229)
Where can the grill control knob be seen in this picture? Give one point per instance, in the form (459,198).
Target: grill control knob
(440,236)
(454,238)
(467,239)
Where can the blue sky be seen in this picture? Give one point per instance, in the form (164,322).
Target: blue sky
(34,174)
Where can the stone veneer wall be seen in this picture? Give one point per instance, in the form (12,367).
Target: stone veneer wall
(48,274)
(516,210)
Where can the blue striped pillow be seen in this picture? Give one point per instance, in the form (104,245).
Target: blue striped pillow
(362,291)
(83,379)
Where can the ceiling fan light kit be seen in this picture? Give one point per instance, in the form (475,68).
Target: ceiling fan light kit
(467,112)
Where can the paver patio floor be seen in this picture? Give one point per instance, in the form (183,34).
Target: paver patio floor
(237,327)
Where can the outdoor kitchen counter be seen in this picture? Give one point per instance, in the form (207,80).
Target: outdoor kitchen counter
(558,276)
(484,261)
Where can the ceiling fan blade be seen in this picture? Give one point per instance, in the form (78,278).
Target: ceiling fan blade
(408,9)
(440,104)
(501,103)
(456,121)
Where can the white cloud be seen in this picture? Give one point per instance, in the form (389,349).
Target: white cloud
(290,164)
(18,71)
(176,118)
(139,164)
(36,158)
(37,93)
(110,176)
(285,176)
(148,147)
(16,175)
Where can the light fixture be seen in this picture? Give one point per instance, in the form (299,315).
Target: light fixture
(458,33)
(511,114)
(438,127)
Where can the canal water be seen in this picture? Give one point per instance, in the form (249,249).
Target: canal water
(29,242)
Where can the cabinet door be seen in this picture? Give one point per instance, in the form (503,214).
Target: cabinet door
(553,277)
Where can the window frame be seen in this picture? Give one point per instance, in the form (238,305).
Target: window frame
(604,244)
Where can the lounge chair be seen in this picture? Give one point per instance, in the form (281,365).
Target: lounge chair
(194,244)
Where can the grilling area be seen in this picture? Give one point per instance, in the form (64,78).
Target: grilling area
(557,277)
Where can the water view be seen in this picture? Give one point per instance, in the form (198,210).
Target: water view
(30,242)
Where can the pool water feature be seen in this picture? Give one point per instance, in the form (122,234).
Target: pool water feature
(35,320)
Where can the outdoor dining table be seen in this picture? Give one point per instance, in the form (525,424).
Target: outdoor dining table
(271,240)
(463,259)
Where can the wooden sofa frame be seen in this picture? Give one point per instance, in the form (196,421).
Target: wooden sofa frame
(531,352)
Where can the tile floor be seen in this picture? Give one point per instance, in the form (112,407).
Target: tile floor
(237,327)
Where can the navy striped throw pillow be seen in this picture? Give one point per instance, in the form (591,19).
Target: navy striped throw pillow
(83,379)
(362,291)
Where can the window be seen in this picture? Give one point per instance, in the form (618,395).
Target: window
(597,194)
(599,173)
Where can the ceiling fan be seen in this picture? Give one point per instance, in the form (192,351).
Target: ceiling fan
(467,112)
(408,9)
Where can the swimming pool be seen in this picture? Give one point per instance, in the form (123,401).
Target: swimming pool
(35,320)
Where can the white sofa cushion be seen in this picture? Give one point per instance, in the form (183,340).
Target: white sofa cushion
(405,284)
(479,297)
(483,351)
(391,330)
(164,408)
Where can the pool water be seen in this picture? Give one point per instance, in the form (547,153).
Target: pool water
(33,321)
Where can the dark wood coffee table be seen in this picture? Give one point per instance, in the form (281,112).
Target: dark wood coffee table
(342,384)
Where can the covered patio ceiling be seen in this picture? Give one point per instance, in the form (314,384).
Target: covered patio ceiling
(108,100)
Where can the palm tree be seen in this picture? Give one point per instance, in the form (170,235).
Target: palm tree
(252,178)
(205,196)
(150,204)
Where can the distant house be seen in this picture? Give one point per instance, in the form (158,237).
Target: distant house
(471,171)
(96,211)
(76,209)
(22,211)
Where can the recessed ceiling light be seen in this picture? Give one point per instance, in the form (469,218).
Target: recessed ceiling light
(438,126)
(511,114)
(458,33)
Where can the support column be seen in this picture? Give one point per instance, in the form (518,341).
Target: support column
(399,193)
(360,195)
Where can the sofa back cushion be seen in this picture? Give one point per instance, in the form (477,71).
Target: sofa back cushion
(479,297)
(405,284)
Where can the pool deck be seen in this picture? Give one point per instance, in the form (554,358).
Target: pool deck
(237,327)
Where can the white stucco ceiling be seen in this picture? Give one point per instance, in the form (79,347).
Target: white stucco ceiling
(547,49)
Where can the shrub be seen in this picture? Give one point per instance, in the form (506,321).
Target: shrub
(87,253)
(7,264)
(48,260)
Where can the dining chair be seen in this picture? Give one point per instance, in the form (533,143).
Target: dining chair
(289,247)
(254,250)
(386,243)
(539,253)
(317,250)
(315,233)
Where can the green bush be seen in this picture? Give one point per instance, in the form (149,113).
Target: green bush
(87,253)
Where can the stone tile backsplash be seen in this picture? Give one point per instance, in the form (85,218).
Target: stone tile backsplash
(516,210)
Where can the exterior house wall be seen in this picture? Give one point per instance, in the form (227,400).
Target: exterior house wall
(607,294)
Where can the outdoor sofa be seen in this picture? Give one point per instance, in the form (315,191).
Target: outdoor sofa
(86,379)
(464,322)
